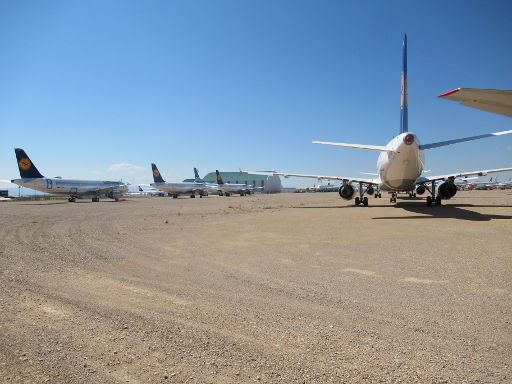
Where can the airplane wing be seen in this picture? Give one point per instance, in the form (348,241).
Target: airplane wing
(466,174)
(491,100)
(357,146)
(318,177)
(463,139)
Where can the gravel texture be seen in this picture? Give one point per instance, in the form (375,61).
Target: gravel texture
(290,288)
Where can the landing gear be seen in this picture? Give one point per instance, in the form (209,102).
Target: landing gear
(393,197)
(71,199)
(174,196)
(97,200)
(438,200)
(242,194)
(412,194)
(227,194)
(221,194)
(429,201)
(361,199)
(193,196)
(433,199)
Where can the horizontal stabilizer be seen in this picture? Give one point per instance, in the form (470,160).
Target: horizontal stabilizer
(491,100)
(357,146)
(461,140)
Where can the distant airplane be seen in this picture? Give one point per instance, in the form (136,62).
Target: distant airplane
(229,188)
(401,162)
(491,100)
(176,189)
(74,189)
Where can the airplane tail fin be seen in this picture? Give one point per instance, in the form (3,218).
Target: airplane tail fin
(197,177)
(404,118)
(219,177)
(156,174)
(26,167)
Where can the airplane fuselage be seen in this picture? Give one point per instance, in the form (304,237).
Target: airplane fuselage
(179,188)
(68,187)
(400,168)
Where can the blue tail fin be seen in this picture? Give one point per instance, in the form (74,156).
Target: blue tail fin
(26,167)
(404,118)
(196,175)
(156,174)
(219,177)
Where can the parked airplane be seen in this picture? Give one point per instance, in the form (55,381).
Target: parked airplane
(229,188)
(400,163)
(74,189)
(491,100)
(175,189)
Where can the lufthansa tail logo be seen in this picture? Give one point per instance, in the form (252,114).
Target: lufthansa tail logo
(24,164)
(156,173)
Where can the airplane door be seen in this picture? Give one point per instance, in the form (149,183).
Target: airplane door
(49,184)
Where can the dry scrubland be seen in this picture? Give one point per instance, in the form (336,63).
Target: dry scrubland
(287,288)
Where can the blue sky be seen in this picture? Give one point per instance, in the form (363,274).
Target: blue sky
(88,85)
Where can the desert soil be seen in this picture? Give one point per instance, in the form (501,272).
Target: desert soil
(289,288)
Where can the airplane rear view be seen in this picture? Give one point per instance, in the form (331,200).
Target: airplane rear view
(401,162)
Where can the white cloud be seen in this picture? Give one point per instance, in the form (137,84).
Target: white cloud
(125,168)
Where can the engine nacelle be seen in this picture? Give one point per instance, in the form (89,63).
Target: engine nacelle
(346,191)
(370,190)
(447,190)
(420,189)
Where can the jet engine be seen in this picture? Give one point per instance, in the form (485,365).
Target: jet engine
(447,190)
(370,190)
(420,189)
(346,191)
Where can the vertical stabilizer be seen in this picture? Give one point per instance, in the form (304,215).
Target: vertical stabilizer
(219,177)
(197,178)
(156,174)
(26,166)
(404,119)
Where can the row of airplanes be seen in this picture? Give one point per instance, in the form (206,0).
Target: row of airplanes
(400,165)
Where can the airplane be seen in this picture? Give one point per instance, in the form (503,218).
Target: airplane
(183,188)
(401,161)
(74,189)
(146,192)
(491,100)
(228,188)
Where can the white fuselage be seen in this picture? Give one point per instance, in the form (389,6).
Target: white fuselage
(234,188)
(76,188)
(179,188)
(400,168)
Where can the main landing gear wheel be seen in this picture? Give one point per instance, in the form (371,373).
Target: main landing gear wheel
(393,198)
(438,200)
(365,201)
(429,201)
(192,196)
(71,199)
(174,196)
(357,201)
(95,199)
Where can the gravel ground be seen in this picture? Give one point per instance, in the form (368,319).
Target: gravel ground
(290,288)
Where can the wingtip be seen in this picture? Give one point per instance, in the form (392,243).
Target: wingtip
(449,92)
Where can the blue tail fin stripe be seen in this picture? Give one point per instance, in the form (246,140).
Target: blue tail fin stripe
(404,118)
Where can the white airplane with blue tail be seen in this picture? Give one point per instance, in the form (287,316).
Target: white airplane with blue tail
(401,162)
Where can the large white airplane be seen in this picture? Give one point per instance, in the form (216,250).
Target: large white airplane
(400,163)
(74,189)
(176,189)
(229,188)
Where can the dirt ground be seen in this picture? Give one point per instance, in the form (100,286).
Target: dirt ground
(289,288)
